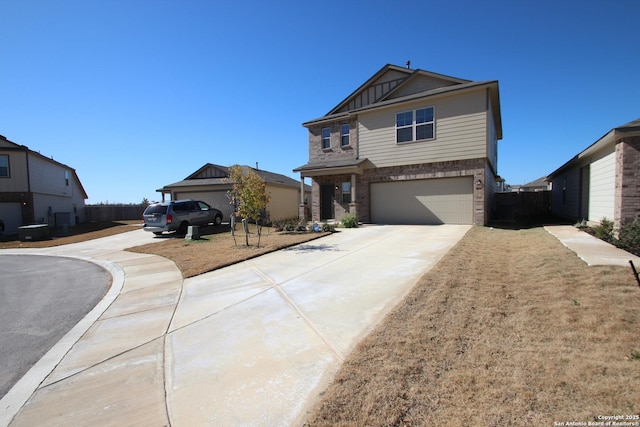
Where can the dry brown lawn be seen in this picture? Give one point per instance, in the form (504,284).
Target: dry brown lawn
(216,248)
(75,234)
(510,328)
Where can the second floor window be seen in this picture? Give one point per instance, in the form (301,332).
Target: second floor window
(326,138)
(415,125)
(344,135)
(66,178)
(4,166)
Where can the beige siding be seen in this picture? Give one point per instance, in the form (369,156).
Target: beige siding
(460,132)
(421,84)
(17,180)
(492,139)
(49,178)
(284,202)
(602,186)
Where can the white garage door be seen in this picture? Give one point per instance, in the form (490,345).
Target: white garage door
(427,201)
(11,217)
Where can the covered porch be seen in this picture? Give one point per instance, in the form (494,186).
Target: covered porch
(334,188)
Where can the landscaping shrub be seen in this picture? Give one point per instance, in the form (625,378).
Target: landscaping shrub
(604,230)
(349,221)
(629,236)
(328,228)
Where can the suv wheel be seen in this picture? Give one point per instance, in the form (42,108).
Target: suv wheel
(217,220)
(183,228)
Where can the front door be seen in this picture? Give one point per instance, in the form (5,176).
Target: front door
(327,197)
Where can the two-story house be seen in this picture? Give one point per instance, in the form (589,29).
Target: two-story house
(407,147)
(37,189)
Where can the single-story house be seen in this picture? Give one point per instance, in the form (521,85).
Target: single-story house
(602,181)
(211,184)
(35,189)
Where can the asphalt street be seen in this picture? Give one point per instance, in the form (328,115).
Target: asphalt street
(41,299)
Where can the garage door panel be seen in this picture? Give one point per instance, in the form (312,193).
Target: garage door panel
(431,201)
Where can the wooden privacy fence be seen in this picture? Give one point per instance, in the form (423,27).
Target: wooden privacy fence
(516,206)
(99,213)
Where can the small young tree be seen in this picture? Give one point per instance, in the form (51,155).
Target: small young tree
(250,193)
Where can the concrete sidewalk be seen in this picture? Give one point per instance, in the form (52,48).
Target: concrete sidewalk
(251,344)
(590,249)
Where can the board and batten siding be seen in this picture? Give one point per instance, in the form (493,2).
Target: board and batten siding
(602,186)
(460,132)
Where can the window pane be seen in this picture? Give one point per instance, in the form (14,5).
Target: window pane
(424,115)
(404,119)
(345,135)
(405,134)
(4,165)
(326,137)
(346,192)
(424,131)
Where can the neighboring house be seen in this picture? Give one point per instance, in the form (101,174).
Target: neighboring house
(211,183)
(539,184)
(35,189)
(407,147)
(603,181)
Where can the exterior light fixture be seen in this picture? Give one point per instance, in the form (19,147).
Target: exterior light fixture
(478,184)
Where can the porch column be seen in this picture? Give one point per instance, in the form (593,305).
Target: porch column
(302,214)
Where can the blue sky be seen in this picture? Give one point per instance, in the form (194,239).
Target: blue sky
(137,94)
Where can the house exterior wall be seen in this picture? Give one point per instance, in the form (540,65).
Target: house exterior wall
(18,178)
(477,168)
(492,136)
(283,203)
(601,187)
(49,178)
(336,151)
(627,189)
(565,194)
(460,132)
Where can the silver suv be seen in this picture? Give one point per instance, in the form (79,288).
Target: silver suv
(178,215)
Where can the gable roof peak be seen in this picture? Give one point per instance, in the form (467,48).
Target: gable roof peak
(388,80)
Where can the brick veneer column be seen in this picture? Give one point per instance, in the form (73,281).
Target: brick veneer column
(627,187)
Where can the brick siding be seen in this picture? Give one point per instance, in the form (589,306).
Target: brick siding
(627,187)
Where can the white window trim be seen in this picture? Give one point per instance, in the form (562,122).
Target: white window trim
(414,125)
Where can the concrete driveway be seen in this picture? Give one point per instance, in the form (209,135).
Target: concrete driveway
(251,344)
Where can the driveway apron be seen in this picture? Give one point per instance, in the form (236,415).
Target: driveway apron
(251,344)
(254,344)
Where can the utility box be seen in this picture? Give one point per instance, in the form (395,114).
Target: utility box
(28,233)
